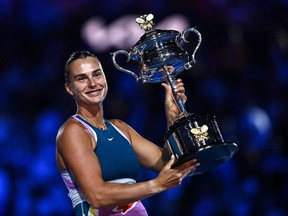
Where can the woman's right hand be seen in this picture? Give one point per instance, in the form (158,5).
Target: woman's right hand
(172,177)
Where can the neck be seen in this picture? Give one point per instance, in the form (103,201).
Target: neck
(94,117)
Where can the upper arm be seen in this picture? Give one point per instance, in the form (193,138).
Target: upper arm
(75,146)
(148,153)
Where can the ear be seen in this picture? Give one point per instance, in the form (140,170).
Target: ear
(68,89)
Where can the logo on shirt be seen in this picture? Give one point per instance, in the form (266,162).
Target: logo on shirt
(124,208)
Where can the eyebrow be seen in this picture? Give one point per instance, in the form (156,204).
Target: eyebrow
(84,74)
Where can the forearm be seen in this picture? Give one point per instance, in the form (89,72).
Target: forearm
(163,160)
(114,194)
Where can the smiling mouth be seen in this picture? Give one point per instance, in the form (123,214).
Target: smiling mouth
(94,92)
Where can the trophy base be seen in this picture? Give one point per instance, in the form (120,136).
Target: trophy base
(209,157)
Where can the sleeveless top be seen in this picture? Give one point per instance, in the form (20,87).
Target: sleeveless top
(118,164)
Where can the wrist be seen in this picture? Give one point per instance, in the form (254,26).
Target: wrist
(171,120)
(154,187)
(169,123)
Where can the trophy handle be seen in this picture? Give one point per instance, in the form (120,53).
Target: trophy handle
(189,64)
(114,54)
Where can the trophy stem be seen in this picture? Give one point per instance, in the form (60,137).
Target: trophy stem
(171,80)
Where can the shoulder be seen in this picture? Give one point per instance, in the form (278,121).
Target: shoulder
(124,127)
(72,131)
(71,125)
(121,124)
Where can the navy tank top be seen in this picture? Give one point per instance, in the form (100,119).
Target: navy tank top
(114,151)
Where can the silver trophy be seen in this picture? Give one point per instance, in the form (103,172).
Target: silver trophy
(161,58)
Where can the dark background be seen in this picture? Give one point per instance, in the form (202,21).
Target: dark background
(241,76)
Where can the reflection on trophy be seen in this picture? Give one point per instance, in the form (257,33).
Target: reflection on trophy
(161,58)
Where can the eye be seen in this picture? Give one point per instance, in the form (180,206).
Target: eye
(97,74)
(81,78)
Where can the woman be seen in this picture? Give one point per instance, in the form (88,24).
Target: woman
(99,158)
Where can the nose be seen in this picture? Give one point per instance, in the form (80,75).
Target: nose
(91,82)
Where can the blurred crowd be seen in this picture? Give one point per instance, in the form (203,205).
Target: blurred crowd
(241,77)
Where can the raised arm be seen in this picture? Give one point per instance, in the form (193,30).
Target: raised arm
(152,156)
(148,153)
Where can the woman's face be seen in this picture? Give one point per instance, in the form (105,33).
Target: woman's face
(87,81)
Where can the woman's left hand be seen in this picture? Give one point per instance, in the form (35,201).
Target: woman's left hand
(171,107)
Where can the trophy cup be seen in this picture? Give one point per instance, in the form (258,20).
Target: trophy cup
(161,58)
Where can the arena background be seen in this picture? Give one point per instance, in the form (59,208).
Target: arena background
(241,77)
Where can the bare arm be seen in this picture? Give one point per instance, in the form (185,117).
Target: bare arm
(75,149)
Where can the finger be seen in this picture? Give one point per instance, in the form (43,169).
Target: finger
(166,86)
(192,167)
(179,81)
(168,89)
(179,88)
(170,162)
(189,164)
(182,97)
(187,171)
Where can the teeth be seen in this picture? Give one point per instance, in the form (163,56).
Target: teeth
(94,92)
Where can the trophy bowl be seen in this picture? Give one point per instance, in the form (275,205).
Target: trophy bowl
(155,50)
